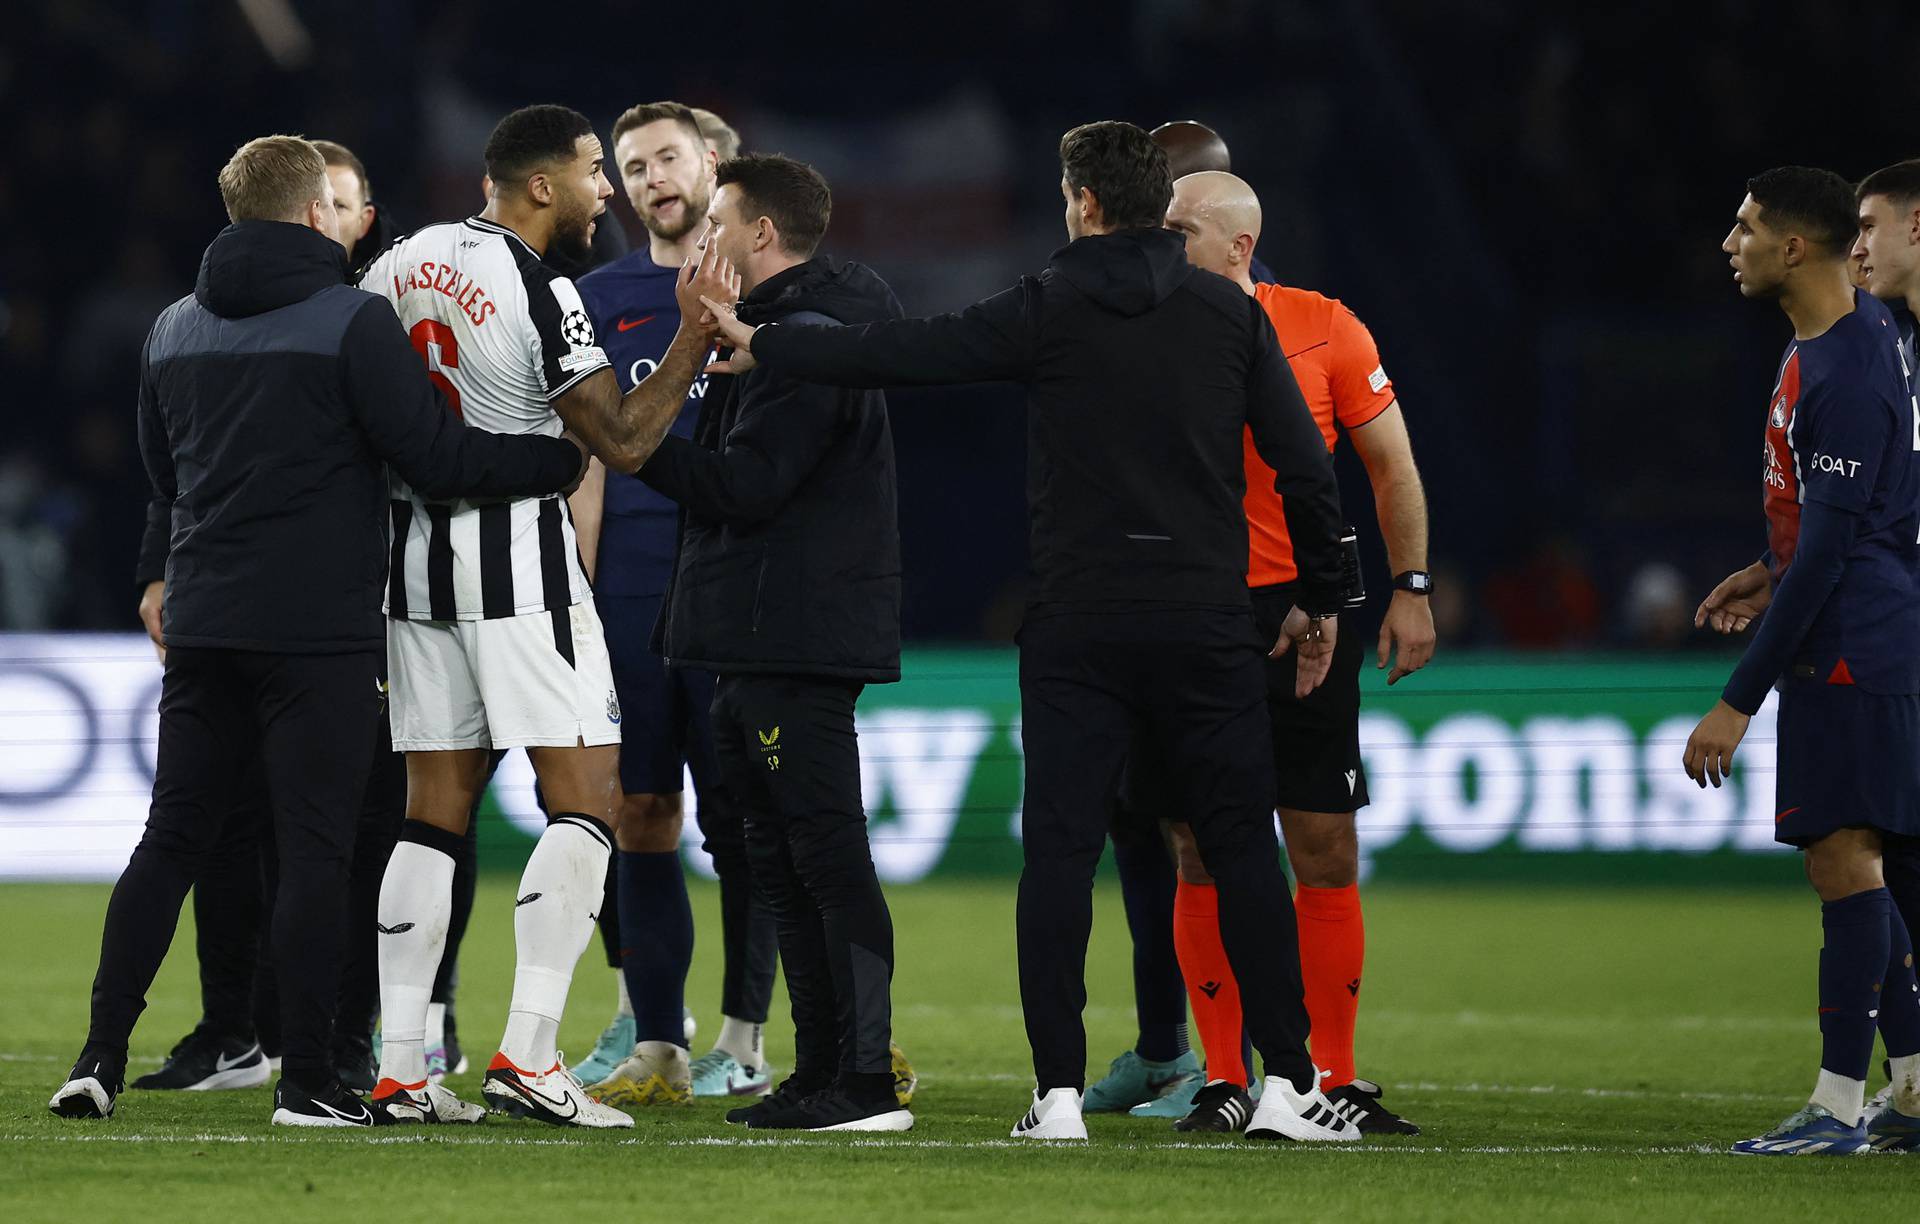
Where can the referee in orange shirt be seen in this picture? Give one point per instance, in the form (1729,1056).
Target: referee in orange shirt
(1321,780)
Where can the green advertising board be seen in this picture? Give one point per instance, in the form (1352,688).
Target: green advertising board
(1483,767)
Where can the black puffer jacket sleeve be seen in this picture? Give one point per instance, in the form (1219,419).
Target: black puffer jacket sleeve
(989,341)
(157,456)
(407,423)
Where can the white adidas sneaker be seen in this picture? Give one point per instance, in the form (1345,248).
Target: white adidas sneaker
(1053,1116)
(1304,1117)
(553,1096)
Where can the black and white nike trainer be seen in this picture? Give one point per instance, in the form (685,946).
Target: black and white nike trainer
(204,1061)
(1360,1100)
(331,1106)
(92,1087)
(553,1096)
(834,1110)
(1221,1108)
(782,1100)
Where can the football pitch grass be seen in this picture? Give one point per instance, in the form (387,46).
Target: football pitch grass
(1572,1054)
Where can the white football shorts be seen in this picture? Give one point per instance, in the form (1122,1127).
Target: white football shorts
(541,680)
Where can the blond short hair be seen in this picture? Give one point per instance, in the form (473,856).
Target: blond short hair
(719,133)
(273,178)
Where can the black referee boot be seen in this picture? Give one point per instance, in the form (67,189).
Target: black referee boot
(1368,1113)
(1221,1108)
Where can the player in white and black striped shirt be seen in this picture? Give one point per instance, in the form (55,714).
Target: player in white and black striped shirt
(493,640)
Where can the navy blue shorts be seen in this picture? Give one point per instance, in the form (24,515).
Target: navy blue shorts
(665,713)
(1848,759)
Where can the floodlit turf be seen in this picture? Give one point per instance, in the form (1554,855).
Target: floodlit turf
(1573,1054)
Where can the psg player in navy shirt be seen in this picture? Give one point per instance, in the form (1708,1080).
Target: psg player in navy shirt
(1840,589)
(667,168)
(1887,256)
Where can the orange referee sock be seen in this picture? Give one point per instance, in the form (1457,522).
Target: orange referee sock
(1211,988)
(1333,946)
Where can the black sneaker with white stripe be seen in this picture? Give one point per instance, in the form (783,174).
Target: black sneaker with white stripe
(1221,1108)
(1361,1100)
(769,1111)
(205,1060)
(833,1109)
(331,1106)
(92,1087)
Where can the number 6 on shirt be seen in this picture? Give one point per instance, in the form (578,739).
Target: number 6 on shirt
(435,343)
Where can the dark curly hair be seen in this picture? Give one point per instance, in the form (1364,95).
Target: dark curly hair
(533,137)
(1126,171)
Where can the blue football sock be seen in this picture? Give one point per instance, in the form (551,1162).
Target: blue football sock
(1853,964)
(1900,994)
(656,942)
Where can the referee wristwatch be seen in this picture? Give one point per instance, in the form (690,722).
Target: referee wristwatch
(1417,582)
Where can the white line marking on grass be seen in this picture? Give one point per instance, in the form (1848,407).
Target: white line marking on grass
(936,1078)
(826,1144)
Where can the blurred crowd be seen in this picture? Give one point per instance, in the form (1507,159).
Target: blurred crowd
(1523,201)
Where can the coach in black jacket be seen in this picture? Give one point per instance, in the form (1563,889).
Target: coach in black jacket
(271,402)
(787,586)
(1142,373)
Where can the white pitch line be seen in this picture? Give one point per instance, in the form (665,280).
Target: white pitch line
(934,1079)
(721,1141)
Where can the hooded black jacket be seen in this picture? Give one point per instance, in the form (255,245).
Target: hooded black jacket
(1142,374)
(789,559)
(271,401)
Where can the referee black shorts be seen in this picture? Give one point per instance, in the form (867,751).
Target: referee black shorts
(1316,740)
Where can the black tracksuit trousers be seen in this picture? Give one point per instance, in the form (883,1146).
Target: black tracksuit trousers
(1092,678)
(790,760)
(234,892)
(309,722)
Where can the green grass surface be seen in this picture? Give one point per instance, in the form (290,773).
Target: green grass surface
(1573,1054)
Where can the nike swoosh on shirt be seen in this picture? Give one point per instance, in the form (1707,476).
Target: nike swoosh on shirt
(629,325)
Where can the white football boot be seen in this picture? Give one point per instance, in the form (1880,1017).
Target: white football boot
(657,1073)
(553,1096)
(425,1102)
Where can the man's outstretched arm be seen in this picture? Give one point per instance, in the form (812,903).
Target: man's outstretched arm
(989,341)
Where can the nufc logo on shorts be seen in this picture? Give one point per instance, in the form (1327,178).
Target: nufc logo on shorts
(613,707)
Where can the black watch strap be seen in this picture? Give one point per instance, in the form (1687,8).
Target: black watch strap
(1419,582)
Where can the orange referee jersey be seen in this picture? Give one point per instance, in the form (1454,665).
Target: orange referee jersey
(1337,365)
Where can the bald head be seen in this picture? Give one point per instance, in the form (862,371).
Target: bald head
(1192,147)
(1220,216)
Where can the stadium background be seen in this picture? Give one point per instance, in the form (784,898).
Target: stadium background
(1523,201)
(1584,976)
